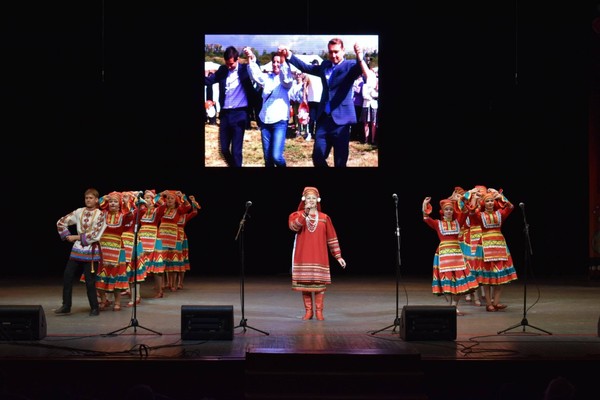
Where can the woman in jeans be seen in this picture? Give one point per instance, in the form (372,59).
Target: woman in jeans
(275,112)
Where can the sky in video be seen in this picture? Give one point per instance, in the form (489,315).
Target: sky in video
(303,44)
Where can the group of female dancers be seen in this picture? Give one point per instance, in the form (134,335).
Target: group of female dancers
(161,245)
(472,251)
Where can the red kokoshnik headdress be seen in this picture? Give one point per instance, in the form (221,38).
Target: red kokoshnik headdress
(305,192)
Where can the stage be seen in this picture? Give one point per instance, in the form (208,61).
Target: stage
(363,349)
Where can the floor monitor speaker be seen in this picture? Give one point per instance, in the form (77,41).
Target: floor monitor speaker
(22,322)
(428,323)
(206,322)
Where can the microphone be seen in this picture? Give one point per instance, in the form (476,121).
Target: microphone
(140,198)
(395,197)
(522,205)
(248,203)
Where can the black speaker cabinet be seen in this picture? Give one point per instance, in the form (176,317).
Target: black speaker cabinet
(22,323)
(206,322)
(428,323)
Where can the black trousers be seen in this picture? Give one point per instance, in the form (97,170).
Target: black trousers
(73,271)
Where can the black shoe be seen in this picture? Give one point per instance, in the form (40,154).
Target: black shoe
(94,312)
(63,310)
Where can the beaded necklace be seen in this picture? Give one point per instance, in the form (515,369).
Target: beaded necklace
(312,222)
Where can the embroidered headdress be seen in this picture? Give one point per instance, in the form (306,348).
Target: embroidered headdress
(446,202)
(151,192)
(116,195)
(172,193)
(310,190)
(489,195)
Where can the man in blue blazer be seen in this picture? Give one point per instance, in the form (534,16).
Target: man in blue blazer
(336,112)
(238,99)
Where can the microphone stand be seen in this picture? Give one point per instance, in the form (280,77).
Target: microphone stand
(528,253)
(240,238)
(134,322)
(397,320)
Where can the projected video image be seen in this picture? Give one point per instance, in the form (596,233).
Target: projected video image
(291,100)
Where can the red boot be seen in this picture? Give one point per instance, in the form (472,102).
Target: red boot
(308,305)
(319,297)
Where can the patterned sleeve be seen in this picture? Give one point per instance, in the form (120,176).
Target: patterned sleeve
(63,224)
(332,240)
(296,221)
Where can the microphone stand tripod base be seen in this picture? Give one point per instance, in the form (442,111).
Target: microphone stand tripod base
(244,325)
(397,323)
(523,323)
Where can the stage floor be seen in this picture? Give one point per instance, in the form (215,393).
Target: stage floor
(547,322)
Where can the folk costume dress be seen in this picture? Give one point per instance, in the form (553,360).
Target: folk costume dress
(185,247)
(147,246)
(112,274)
(315,239)
(451,273)
(472,247)
(472,238)
(496,263)
(128,238)
(169,255)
